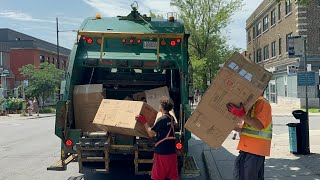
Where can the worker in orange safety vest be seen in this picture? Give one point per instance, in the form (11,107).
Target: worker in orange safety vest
(255,139)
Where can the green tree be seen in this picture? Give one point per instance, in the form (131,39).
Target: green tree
(205,20)
(44,80)
(155,16)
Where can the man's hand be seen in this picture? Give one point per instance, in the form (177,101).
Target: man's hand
(239,112)
(141,118)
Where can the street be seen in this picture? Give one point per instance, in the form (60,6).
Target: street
(28,146)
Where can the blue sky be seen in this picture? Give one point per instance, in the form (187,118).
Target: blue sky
(37,17)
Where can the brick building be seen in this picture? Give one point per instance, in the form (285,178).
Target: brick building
(267,31)
(23,49)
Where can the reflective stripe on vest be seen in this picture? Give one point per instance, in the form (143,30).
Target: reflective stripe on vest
(265,133)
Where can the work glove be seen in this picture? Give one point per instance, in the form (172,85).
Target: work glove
(141,118)
(239,112)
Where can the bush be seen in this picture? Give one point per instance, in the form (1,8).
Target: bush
(14,104)
(47,110)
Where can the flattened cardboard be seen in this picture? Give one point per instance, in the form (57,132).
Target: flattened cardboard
(86,101)
(118,116)
(140,96)
(153,97)
(239,80)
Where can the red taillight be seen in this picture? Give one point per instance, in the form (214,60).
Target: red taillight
(179,146)
(124,40)
(131,41)
(83,38)
(178,40)
(173,43)
(89,40)
(138,41)
(68,143)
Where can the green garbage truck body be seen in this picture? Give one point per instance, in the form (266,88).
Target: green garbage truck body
(127,55)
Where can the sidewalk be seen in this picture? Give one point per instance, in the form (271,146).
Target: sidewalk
(281,165)
(19,117)
(278,110)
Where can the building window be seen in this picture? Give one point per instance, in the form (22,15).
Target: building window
(249,36)
(265,23)
(288,6)
(258,55)
(266,52)
(258,28)
(279,11)
(273,49)
(48,60)
(41,58)
(287,36)
(254,32)
(53,62)
(254,56)
(250,56)
(273,17)
(280,46)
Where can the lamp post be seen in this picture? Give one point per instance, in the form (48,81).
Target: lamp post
(58,31)
(58,47)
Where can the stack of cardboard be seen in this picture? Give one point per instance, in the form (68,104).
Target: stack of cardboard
(86,101)
(118,116)
(239,80)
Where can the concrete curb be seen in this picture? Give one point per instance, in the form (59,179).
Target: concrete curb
(290,115)
(211,166)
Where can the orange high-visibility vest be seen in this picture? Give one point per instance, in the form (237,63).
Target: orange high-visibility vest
(253,140)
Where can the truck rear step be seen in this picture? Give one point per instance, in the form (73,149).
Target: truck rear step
(143,156)
(93,154)
(61,165)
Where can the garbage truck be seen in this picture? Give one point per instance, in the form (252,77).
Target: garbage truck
(127,55)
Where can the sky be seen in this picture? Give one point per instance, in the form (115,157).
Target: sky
(38,17)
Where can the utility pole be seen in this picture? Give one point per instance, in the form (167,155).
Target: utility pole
(58,58)
(305,124)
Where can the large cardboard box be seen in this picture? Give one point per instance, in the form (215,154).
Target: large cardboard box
(239,80)
(86,101)
(118,116)
(153,97)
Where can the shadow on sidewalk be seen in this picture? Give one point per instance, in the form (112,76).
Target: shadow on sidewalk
(305,167)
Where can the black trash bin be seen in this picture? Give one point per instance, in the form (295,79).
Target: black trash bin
(299,133)
(294,138)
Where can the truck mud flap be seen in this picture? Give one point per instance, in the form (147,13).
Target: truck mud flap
(190,168)
(61,165)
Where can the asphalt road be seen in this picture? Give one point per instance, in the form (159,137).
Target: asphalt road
(27,147)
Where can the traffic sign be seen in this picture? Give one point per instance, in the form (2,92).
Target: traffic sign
(302,79)
(295,46)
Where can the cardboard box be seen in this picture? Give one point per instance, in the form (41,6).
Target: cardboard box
(118,116)
(86,101)
(140,96)
(153,97)
(239,80)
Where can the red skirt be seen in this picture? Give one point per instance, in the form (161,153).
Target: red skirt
(165,166)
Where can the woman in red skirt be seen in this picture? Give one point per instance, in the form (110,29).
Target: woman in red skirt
(165,165)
